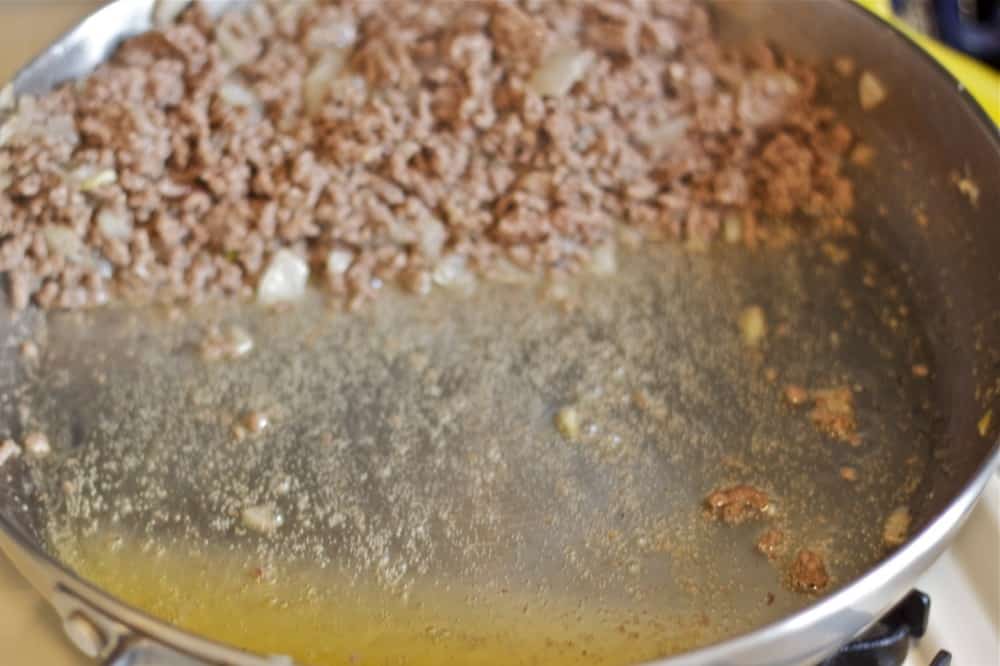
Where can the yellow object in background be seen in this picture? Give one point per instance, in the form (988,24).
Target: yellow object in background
(981,81)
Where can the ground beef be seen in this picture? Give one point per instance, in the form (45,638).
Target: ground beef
(403,140)
(737,504)
(771,543)
(808,572)
(833,413)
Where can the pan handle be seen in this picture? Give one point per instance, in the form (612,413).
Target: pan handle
(108,640)
(147,652)
(113,641)
(142,652)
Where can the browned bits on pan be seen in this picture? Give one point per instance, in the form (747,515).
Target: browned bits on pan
(737,504)
(771,543)
(645,402)
(808,572)
(897,527)
(835,253)
(863,155)
(255,422)
(844,65)
(226,343)
(833,413)
(796,395)
(849,474)
(449,141)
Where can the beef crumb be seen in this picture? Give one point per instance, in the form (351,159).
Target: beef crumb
(771,543)
(808,572)
(399,142)
(737,504)
(796,395)
(833,414)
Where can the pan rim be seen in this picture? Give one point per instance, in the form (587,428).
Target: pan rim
(930,540)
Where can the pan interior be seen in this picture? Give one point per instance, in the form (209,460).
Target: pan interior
(429,506)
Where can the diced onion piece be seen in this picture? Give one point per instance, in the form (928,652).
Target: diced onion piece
(114,224)
(983,425)
(753,325)
(8,449)
(871,91)
(284,280)
(320,78)
(452,271)
(7,99)
(502,270)
(88,178)
(669,132)
(568,422)
(732,228)
(764,97)
(288,12)
(236,94)
(236,49)
(896,527)
(37,444)
(604,260)
(432,238)
(263,518)
(166,11)
(228,343)
(335,34)
(339,261)
(63,242)
(560,71)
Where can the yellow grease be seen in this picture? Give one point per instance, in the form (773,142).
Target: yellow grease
(321,619)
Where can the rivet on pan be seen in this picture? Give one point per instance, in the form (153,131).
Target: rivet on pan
(84,634)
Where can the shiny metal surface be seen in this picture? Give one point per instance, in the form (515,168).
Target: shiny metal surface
(953,262)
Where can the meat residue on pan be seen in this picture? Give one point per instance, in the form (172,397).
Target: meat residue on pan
(832,411)
(737,504)
(808,572)
(771,543)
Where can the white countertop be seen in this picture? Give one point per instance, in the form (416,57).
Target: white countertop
(964,585)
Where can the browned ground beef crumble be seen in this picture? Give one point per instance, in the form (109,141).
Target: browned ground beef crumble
(407,141)
(737,504)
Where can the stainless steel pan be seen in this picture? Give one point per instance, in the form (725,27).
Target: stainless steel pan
(408,481)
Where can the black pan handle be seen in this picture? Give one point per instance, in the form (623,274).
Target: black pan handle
(887,642)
